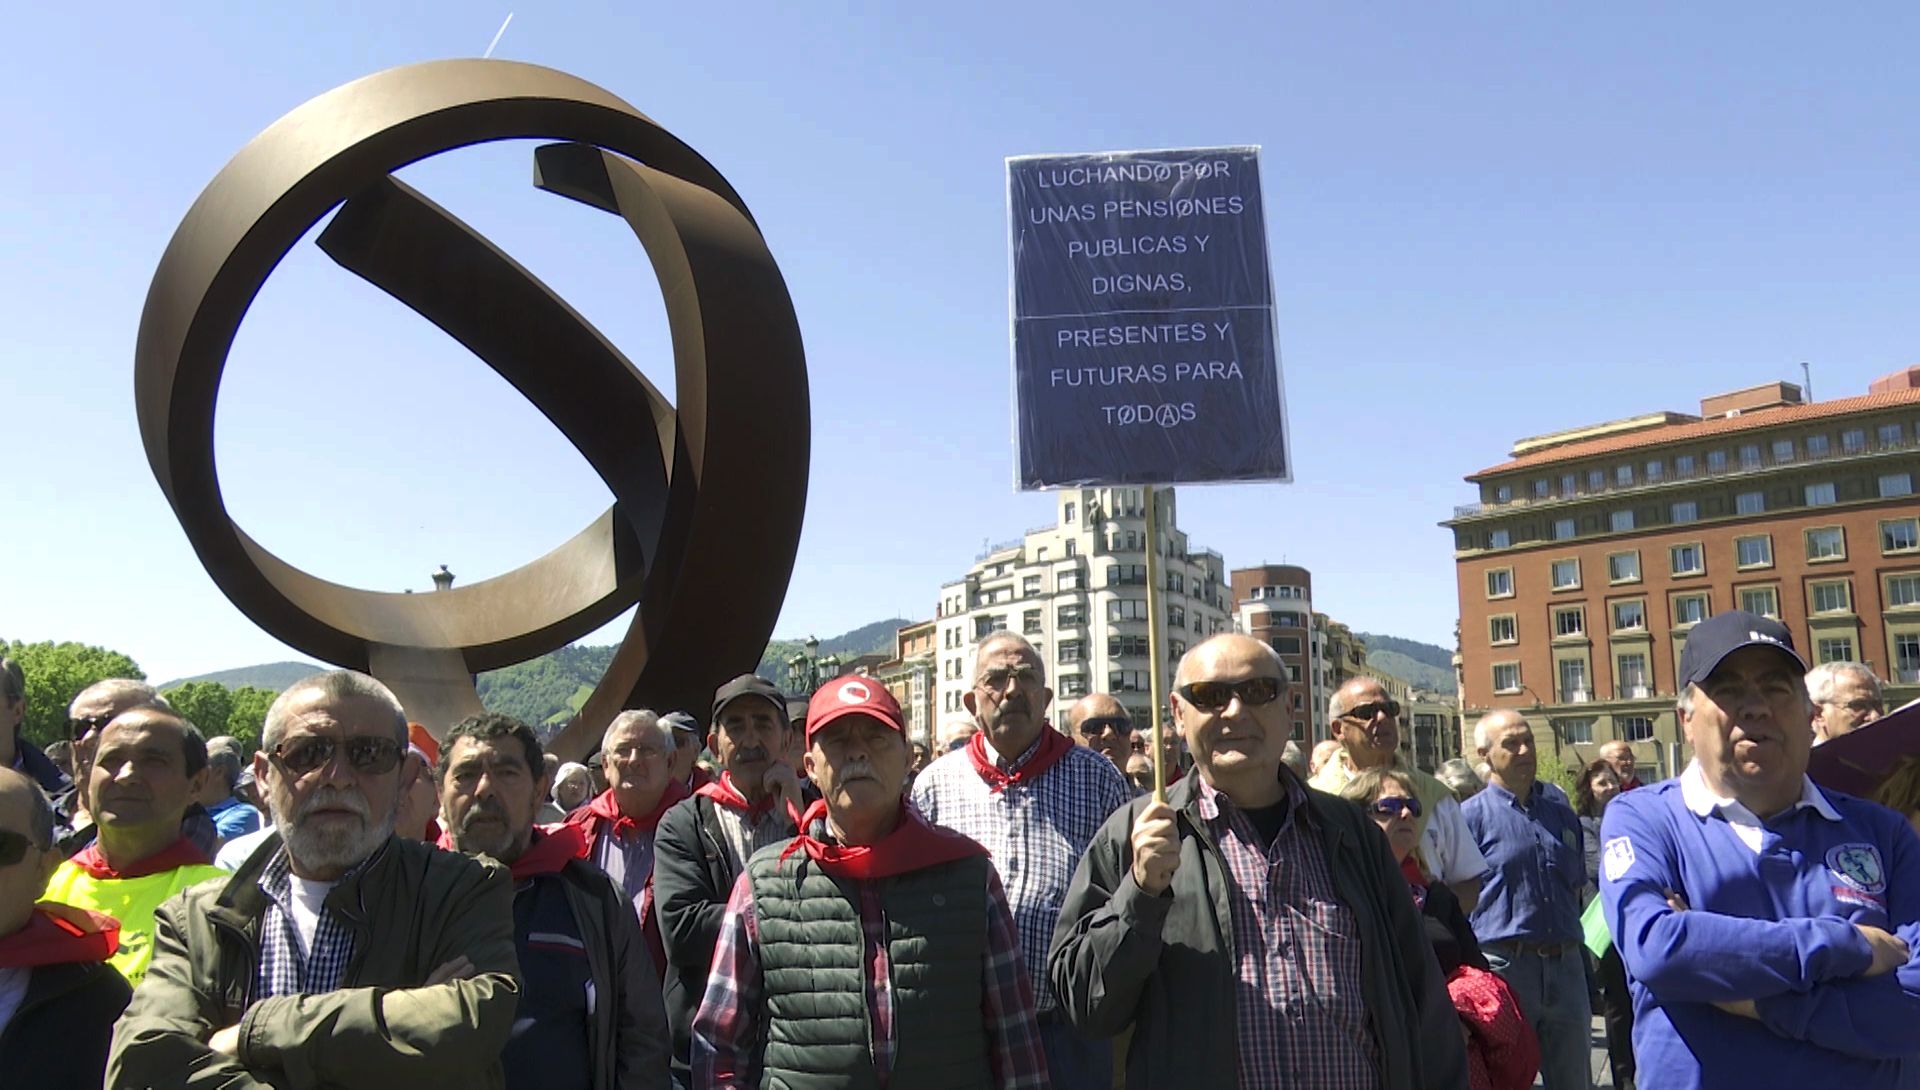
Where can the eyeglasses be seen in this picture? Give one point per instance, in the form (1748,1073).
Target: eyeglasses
(1395,805)
(13,847)
(1215,695)
(1365,713)
(79,728)
(376,756)
(958,743)
(998,677)
(1100,724)
(1859,707)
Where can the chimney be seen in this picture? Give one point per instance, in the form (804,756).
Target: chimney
(1908,379)
(1771,395)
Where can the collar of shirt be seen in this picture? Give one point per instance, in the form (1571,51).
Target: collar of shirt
(1214,803)
(1005,765)
(1700,798)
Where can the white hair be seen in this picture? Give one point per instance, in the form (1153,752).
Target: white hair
(641,718)
(1822,679)
(333,685)
(1013,639)
(1493,720)
(570,770)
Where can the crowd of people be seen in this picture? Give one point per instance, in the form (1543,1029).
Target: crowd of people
(797,895)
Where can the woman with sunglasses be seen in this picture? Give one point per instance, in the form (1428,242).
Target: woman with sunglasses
(1502,1051)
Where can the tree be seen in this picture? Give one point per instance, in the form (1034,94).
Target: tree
(56,672)
(249,715)
(206,704)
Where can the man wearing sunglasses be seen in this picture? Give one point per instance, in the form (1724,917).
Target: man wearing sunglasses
(1035,800)
(1366,723)
(58,995)
(339,954)
(1101,724)
(149,766)
(1252,932)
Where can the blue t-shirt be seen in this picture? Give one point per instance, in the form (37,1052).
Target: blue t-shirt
(1536,865)
(1771,908)
(234,818)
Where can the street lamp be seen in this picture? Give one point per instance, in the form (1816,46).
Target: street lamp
(805,671)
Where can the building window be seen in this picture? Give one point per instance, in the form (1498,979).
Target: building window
(1833,649)
(1633,680)
(1067,580)
(1635,728)
(1630,616)
(1499,539)
(1562,529)
(1853,440)
(1126,609)
(982,626)
(1126,575)
(1503,494)
(1903,591)
(1570,621)
(1177,617)
(1750,503)
(1683,465)
(1689,609)
(1623,567)
(1566,574)
(1069,515)
(1502,629)
(1285,645)
(1030,622)
(1688,559)
(1830,596)
(1753,552)
(1567,484)
(1540,488)
(1073,651)
(1782,451)
(1500,583)
(1284,619)
(1127,681)
(1899,535)
(1762,600)
(1889,435)
(1826,543)
(1030,586)
(1620,521)
(1656,470)
(1896,484)
(1127,646)
(1073,547)
(1506,677)
(1817,446)
(1623,475)
(1577,732)
(1686,511)
(1073,685)
(1716,461)
(1596,480)
(1750,456)
(1074,616)
(1820,495)
(1906,657)
(1573,681)
(1176,582)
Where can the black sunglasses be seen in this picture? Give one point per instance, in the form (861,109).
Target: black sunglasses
(1392,805)
(1097,725)
(1366,712)
(13,847)
(377,756)
(78,729)
(1215,695)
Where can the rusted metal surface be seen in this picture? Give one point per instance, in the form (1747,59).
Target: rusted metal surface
(708,494)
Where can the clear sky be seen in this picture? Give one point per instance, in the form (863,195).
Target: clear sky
(1487,220)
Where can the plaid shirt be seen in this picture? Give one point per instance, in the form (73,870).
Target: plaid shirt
(283,969)
(747,834)
(729,1032)
(1301,1017)
(1035,832)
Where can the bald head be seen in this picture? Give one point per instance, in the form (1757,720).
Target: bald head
(1202,659)
(1619,755)
(26,811)
(1504,739)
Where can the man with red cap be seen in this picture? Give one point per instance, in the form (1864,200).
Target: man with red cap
(873,949)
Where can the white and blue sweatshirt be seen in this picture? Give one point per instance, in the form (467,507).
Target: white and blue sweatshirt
(1771,908)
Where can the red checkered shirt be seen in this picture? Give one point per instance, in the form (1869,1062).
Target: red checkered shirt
(729,1031)
(1300,1014)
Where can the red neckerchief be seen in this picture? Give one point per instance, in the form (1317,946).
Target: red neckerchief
(59,934)
(1632,782)
(1416,880)
(912,845)
(602,812)
(723,792)
(1052,746)
(698,778)
(550,848)
(180,853)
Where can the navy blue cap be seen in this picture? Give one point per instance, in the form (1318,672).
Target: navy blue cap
(1724,633)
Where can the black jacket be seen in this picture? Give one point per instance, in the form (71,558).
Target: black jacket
(628,1034)
(1165,965)
(58,1037)
(694,869)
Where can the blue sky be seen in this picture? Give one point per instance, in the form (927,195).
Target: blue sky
(1486,221)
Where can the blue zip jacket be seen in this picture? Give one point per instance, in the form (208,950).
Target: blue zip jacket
(1771,914)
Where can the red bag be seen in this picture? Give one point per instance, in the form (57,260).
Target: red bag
(1502,1051)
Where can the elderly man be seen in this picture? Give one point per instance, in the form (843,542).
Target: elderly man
(686,751)
(1619,756)
(1768,925)
(873,949)
(19,754)
(1846,696)
(1366,723)
(1253,933)
(1528,918)
(148,767)
(339,954)
(1101,724)
(232,817)
(1035,800)
(704,842)
(58,995)
(620,824)
(589,1016)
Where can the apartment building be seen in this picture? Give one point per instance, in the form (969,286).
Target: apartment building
(1273,603)
(912,677)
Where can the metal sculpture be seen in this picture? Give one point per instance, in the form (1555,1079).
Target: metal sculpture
(708,495)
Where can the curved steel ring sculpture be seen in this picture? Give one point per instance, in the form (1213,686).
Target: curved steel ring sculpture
(708,496)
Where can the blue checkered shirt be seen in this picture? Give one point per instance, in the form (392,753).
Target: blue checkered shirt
(283,970)
(1036,833)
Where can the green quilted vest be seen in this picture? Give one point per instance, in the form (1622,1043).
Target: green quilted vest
(810,954)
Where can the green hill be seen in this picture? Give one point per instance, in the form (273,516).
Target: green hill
(1423,665)
(268,675)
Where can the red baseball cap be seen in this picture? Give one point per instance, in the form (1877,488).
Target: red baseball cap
(853,696)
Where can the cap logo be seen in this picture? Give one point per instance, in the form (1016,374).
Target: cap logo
(1764,638)
(854,692)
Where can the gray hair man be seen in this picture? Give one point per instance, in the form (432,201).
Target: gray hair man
(1846,696)
(1101,724)
(1366,723)
(87,715)
(1035,800)
(338,954)
(1244,874)
(620,822)
(231,816)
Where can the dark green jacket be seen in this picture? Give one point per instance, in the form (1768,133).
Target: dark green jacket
(1166,965)
(413,909)
(812,955)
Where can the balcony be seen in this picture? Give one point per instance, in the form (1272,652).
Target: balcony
(1733,471)
(1000,547)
